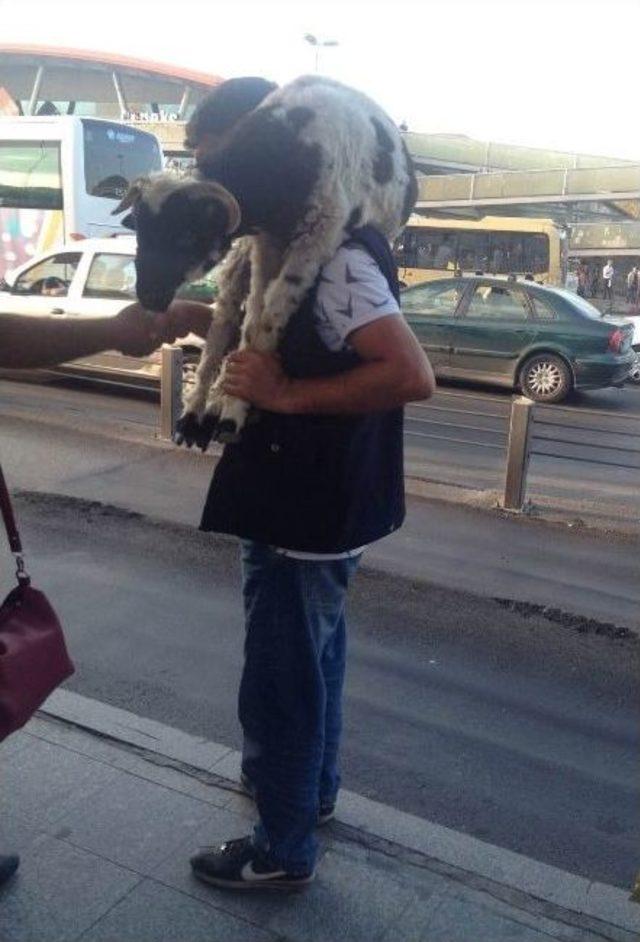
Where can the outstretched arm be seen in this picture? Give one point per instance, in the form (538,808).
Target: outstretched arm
(28,342)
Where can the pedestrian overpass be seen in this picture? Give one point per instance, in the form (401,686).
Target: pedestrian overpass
(569,195)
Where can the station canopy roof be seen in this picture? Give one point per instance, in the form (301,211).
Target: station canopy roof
(87,79)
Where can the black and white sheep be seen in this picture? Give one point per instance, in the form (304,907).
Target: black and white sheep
(292,179)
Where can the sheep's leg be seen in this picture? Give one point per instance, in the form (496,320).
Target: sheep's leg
(201,407)
(263,325)
(266,259)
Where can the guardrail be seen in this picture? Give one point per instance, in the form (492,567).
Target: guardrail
(529,429)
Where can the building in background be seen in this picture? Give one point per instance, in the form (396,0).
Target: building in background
(40,80)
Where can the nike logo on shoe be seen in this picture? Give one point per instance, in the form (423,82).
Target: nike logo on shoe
(249,874)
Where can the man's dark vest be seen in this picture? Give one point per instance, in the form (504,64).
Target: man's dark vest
(314,483)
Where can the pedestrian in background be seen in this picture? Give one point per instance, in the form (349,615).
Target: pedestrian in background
(583,279)
(607,281)
(632,285)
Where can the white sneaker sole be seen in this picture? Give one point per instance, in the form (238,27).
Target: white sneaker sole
(279,884)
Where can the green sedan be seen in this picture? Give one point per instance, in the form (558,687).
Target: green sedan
(545,341)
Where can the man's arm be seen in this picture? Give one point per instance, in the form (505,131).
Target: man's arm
(29,342)
(395,371)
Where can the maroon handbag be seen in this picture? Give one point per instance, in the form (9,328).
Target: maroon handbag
(33,653)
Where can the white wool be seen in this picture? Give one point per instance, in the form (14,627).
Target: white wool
(253,291)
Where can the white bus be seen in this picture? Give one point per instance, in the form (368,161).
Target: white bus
(60,178)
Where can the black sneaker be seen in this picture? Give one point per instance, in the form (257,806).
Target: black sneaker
(9,863)
(326,812)
(239,865)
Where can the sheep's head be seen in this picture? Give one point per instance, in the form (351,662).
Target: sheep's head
(183,229)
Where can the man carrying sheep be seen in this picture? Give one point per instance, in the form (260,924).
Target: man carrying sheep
(311,482)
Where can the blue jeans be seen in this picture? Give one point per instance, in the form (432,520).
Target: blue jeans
(290,703)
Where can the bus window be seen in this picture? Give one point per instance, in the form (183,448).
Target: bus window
(536,253)
(427,248)
(30,176)
(473,250)
(114,156)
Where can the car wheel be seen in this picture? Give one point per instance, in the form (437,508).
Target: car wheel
(546,378)
(634,373)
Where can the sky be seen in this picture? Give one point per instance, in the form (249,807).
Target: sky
(558,74)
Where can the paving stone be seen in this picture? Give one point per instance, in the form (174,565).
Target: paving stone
(41,782)
(153,912)
(175,779)
(16,834)
(59,892)
(14,743)
(119,757)
(229,767)
(348,900)
(133,822)
(138,730)
(76,740)
(451,919)
(243,806)
(422,881)
(534,918)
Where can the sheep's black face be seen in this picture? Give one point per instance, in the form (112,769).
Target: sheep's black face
(182,231)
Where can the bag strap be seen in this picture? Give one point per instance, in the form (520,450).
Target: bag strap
(15,543)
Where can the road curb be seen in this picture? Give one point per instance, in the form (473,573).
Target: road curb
(608,904)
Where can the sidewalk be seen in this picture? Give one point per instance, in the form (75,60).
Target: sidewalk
(106,808)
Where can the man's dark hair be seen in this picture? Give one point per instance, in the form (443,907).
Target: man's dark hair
(225,105)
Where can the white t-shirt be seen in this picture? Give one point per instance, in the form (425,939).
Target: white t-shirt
(352,292)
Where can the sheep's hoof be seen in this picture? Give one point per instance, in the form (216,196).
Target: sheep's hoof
(187,428)
(206,430)
(227,432)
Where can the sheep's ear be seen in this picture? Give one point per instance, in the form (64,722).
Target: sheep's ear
(132,196)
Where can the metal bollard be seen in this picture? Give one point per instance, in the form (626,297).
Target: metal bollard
(170,390)
(518,453)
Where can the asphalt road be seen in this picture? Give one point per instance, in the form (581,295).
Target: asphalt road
(101,447)
(586,449)
(458,438)
(498,723)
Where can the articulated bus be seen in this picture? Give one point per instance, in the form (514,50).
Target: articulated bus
(60,178)
(496,245)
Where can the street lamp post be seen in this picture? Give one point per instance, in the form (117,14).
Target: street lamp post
(319,44)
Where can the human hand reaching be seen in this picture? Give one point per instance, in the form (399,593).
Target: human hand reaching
(139,332)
